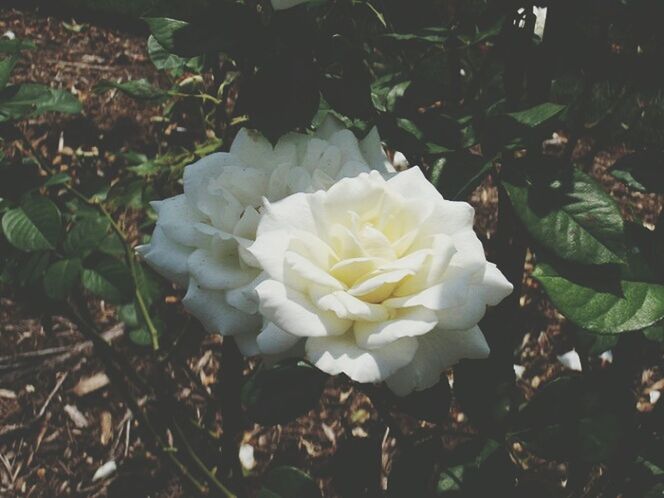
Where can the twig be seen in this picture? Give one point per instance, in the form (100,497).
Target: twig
(58,384)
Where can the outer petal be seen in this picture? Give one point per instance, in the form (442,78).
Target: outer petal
(496,287)
(437,351)
(168,258)
(331,124)
(336,355)
(214,273)
(412,184)
(177,219)
(373,152)
(210,307)
(198,176)
(465,316)
(295,313)
(252,148)
(273,340)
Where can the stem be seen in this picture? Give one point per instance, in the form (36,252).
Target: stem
(200,464)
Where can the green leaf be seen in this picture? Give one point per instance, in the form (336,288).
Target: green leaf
(602,306)
(16,45)
(6,67)
(109,279)
(456,175)
(34,226)
(579,222)
(537,115)
(57,179)
(136,89)
(655,332)
(32,268)
(477,468)
(61,277)
(86,236)
(31,99)
(641,171)
(165,31)
(289,482)
(165,61)
(269,397)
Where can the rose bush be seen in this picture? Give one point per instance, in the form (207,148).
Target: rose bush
(383,278)
(201,238)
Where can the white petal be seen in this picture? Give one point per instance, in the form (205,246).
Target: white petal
(253,149)
(346,306)
(273,340)
(448,294)
(292,212)
(465,316)
(168,258)
(412,184)
(336,355)
(213,273)
(210,307)
(295,313)
(496,287)
(330,125)
(349,146)
(381,283)
(245,298)
(198,176)
(269,249)
(178,218)
(408,323)
(373,152)
(437,351)
(311,272)
(571,360)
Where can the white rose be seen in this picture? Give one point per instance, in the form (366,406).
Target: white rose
(286,4)
(201,238)
(384,279)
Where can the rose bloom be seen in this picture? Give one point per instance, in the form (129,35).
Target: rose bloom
(201,237)
(383,278)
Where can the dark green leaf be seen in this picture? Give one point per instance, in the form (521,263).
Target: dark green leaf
(32,268)
(34,226)
(16,45)
(580,222)
(109,279)
(164,60)
(641,171)
(57,179)
(136,89)
(436,35)
(86,236)
(31,99)
(61,277)
(456,175)
(6,67)
(289,482)
(537,115)
(600,306)
(655,332)
(269,397)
